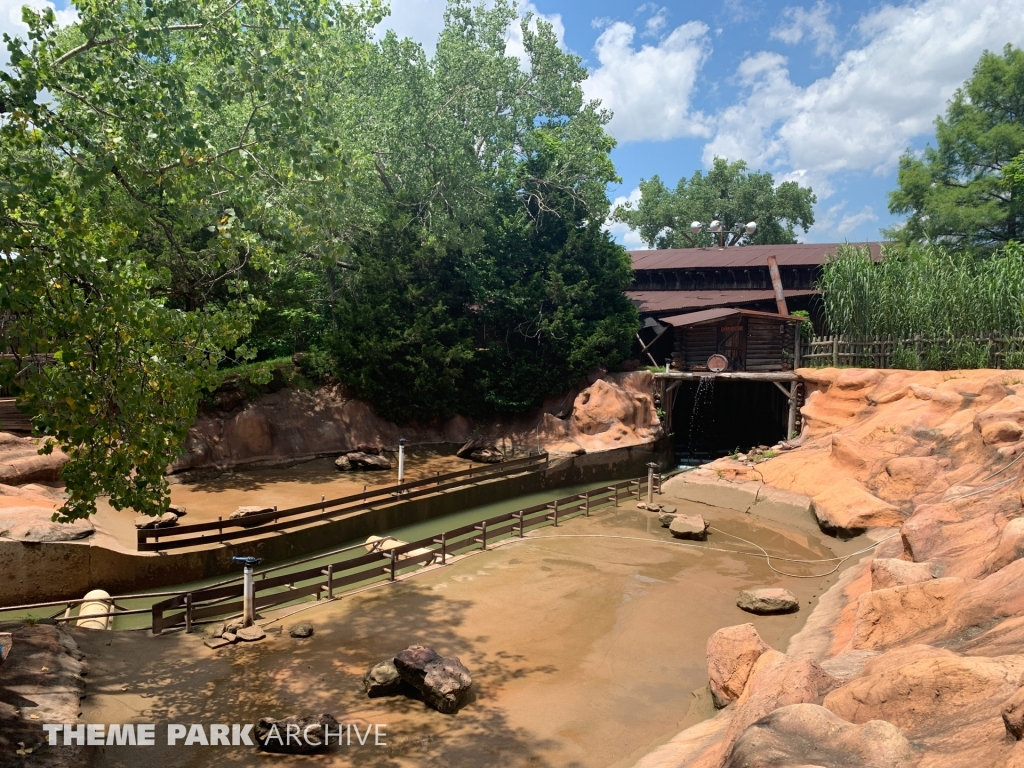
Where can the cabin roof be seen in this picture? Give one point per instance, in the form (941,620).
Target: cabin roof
(720,313)
(742,257)
(649,302)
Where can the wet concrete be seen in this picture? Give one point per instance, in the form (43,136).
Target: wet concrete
(585,651)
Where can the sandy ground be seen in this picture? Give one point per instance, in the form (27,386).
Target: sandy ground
(208,495)
(584,651)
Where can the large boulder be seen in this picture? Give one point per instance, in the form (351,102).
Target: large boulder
(1010,546)
(810,735)
(166,520)
(889,572)
(765,601)
(444,683)
(689,527)
(1013,714)
(367,461)
(897,614)
(33,524)
(732,653)
(294,735)
(846,509)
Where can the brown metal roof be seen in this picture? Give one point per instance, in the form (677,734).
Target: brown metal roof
(671,301)
(796,255)
(718,313)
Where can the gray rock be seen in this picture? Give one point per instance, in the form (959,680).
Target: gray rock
(303,629)
(383,680)
(443,682)
(343,464)
(245,512)
(215,630)
(689,527)
(272,735)
(668,509)
(487,456)
(666,518)
(251,634)
(373,450)
(230,637)
(478,443)
(768,600)
(216,642)
(446,684)
(177,509)
(166,520)
(367,461)
(233,626)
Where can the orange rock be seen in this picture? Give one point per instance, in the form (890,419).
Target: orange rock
(847,508)
(995,597)
(905,654)
(889,572)
(807,734)
(732,653)
(1013,714)
(1010,547)
(1001,432)
(889,616)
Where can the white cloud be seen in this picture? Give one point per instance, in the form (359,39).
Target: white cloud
(813,24)
(422,20)
(514,37)
(649,90)
(623,233)
(834,224)
(11,23)
(879,97)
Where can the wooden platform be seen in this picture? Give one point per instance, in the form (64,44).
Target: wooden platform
(11,419)
(728,375)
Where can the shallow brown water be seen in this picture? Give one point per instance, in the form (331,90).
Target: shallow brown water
(584,651)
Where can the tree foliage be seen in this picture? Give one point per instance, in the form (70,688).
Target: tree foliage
(481,279)
(151,154)
(955,194)
(729,193)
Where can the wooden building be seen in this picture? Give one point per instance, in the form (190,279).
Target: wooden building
(750,341)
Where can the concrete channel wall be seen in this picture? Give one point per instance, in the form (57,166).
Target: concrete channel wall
(39,572)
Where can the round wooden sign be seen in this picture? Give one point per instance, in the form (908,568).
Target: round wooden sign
(718,363)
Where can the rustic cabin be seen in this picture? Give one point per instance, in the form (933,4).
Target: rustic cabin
(730,339)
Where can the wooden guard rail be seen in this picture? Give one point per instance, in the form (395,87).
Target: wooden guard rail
(225,601)
(198,534)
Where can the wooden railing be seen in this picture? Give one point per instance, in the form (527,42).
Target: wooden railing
(894,352)
(219,531)
(225,600)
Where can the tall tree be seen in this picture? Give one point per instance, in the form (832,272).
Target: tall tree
(729,193)
(955,194)
(480,279)
(179,147)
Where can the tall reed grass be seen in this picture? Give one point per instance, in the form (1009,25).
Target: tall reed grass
(932,293)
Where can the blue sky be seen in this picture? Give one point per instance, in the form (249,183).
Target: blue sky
(827,93)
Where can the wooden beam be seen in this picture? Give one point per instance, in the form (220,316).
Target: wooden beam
(780,295)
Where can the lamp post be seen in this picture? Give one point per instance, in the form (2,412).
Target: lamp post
(248,596)
(401,460)
(717,228)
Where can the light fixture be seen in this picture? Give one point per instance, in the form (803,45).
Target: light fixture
(751,227)
(715,226)
(696,227)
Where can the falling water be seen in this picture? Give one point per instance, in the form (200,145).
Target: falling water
(701,420)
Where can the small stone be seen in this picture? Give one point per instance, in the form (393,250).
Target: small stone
(641,505)
(666,518)
(305,629)
(215,630)
(177,509)
(216,642)
(668,509)
(343,464)
(689,527)
(230,637)
(251,634)
(768,600)
(383,680)
(233,626)
(166,520)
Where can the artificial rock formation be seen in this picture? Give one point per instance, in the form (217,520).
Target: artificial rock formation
(765,601)
(688,527)
(443,683)
(915,657)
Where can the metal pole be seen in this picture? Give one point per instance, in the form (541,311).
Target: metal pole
(401,460)
(247,597)
(650,482)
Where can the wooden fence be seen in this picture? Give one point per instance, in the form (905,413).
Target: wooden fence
(225,600)
(917,352)
(218,531)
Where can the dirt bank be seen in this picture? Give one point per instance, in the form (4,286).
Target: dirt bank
(584,651)
(915,657)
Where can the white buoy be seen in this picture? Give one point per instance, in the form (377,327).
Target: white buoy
(90,615)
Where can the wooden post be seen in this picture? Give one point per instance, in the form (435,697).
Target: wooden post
(835,351)
(586,504)
(615,494)
(394,563)
(554,516)
(780,296)
(791,420)
(188,613)
(444,548)
(483,535)
(521,524)
(797,332)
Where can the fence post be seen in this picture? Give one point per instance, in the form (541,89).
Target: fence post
(330,582)
(554,517)
(394,562)
(444,548)
(188,613)
(483,535)
(586,504)
(157,622)
(835,351)
(521,524)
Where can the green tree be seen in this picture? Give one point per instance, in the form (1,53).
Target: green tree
(480,279)
(179,148)
(728,193)
(955,194)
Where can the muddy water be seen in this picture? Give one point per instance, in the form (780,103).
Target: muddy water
(586,643)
